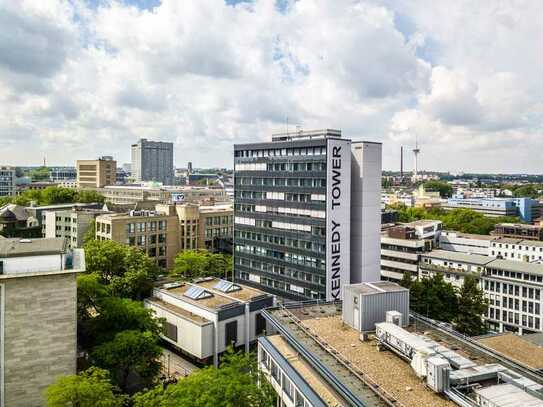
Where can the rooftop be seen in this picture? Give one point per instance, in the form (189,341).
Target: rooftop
(517,266)
(305,371)
(477,259)
(509,240)
(467,235)
(178,311)
(305,134)
(17,247)
(217,299)
(423,222)
(519,225)
(517,348)
(508,395)
(376,287)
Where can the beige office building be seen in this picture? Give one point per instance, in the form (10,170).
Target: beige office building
(199,225)
(71,224)
(96,173)
(130,194)
(153,232)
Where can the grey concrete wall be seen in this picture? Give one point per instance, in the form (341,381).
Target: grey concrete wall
(40,335)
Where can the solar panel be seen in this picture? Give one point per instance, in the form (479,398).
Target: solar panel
(226,286)
(197,293)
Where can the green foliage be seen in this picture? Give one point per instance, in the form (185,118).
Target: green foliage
(39,174)
(90,234)
(528,191)
(445,189)
(90,388)
(90,294)
(407,280)
(127,271)
(55,195)
(130,352)
(462,220)
(234,384)
(90,196)
(434,298)
(471,306)
(201,263)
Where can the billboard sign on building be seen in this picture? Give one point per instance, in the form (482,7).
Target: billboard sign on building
(338,222)
(177,197)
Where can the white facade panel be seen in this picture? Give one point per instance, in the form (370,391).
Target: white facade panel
(338,221)
(366,212)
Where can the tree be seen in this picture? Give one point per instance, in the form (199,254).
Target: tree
(407,280)
(190,263)
(237,382)
(471,306)
(57,195)
(434,298)
(114,315)
(90,196)
(127,271)
(90,294)
(528,191)
(90,234)
(130,352)
(90,388)
(39,174)
(445,189)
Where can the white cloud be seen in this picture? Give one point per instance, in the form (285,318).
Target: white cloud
(82,81)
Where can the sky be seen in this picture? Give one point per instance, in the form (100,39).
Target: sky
(81,78)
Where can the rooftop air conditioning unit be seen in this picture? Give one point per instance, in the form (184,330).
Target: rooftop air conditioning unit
(394,317)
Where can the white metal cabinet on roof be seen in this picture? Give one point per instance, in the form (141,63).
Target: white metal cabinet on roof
(505,395)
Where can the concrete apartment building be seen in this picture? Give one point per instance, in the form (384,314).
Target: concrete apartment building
(152,161)
(512,287)
(402,246)
(307,213)
(71,224)
(465,243)
(7,181)
(38,317)
(153,232)
(96,173)
(530,251)
(203,318)
(518,231)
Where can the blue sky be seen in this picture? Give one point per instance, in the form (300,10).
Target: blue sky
(88,78)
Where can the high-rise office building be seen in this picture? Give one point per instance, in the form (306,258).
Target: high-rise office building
(307,213)
(7,181)
(152,161)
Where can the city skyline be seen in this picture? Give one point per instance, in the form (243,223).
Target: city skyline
(462,78)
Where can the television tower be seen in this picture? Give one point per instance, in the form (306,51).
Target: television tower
(416,152)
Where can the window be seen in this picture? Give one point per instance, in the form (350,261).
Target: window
(287,387)
(231,333)
(170,331)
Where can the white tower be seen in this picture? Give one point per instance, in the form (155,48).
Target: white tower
(416,152)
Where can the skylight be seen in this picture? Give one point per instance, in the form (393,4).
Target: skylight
(197,293)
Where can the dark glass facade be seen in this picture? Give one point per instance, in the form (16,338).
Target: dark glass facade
(280,217)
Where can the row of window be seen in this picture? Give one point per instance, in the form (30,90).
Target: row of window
(281,270)
(514,318)
(143,240)
(268,224)
(282,182)
(282,286)
(520,247)
(519,255)
(308,213)
(279,152)
(280,196)
(281,240)
(297,259)
(512,289)
(145,226)
(289,390)
(218,220)
(513,274)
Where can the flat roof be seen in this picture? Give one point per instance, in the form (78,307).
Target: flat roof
(515,347)
(305,371)
(395,378)
(17,247)
(519,225)
(180,312)
(517,266)
(508,395)
(375,288)
(401,242)
(218,299)
(423,222)
(478,259)
(502,239)
(468,235)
